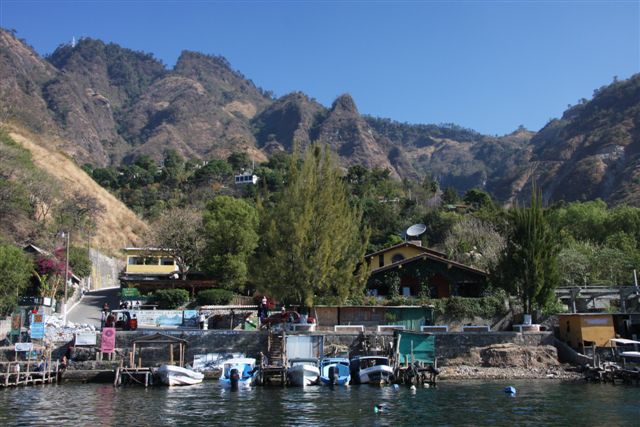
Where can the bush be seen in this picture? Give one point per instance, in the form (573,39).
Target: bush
(171,298)
(215,297)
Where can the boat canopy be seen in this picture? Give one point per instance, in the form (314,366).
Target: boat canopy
(624,341)
(415,347)
(630,354)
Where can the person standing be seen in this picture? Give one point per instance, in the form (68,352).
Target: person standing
(201,319)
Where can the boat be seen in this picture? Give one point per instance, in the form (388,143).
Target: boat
(173,375)
(303,372)
(371,369)
(238,372)
(335,371)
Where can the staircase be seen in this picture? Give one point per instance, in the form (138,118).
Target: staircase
(275,372)
(275,349)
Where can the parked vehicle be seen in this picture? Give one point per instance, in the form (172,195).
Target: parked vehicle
(287,317)
(124,320)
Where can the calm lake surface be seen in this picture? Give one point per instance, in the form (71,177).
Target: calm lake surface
(471,403)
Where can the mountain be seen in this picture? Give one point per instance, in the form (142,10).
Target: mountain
(112,105)
(593,151)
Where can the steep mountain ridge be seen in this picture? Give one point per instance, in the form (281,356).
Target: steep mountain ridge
(593,151)
(116,227)
(111,104)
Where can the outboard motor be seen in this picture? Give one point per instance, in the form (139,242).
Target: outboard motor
(333,375)
(234,377)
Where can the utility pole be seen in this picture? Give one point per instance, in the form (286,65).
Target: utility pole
(66,278)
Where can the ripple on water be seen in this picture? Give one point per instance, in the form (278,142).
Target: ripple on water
(452,403)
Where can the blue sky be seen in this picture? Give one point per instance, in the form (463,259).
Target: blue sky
(486,65)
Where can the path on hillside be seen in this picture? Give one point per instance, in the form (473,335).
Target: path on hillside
(89,307)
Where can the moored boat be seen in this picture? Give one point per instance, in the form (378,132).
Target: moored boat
(238,372)
(303,372)
(172,375)
(334,371)
(371,369)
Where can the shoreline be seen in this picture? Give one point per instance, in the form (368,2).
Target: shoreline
(468,372)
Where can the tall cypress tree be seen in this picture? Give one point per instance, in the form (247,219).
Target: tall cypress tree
(312,244)
(529,266)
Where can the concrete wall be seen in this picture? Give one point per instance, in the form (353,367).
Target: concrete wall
(105,271)
(448,345)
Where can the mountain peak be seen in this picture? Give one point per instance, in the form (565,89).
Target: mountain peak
(344,103)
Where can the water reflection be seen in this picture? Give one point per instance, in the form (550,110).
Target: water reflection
(465,403)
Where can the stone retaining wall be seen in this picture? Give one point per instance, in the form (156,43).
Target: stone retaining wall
(448,345)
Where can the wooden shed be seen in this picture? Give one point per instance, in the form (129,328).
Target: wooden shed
(582,330)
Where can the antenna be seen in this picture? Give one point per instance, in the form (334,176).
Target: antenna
(415,230)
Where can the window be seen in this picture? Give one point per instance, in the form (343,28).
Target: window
(136,260)
(381,260)
(166,261)
(151,260)
(397,258)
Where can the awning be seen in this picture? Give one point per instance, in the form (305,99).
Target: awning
(624,341)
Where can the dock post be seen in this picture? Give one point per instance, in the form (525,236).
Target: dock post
(6,378)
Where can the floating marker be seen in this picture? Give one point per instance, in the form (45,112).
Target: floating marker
(510,390)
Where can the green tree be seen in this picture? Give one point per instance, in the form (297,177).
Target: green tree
(173,168)
(16,269)
(478,199)
(450,196)
(239,160)
(79,261)
(312,242)
(178,233)
(230,229)
(529,266)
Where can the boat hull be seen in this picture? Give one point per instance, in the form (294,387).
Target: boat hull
(335,372)
(176,376)
(376,374)
(303,375)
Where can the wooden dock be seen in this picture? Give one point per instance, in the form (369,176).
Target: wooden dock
(133,376)
(18,373)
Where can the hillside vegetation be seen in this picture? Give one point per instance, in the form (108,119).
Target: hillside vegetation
(50,193)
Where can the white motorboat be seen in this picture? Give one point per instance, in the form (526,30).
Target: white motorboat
(303,372)
(238,372)
(371,369)
(172,375)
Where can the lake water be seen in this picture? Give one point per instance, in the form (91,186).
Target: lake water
(471,403)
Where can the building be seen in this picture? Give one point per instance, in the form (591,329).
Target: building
(416,265)
(149,263)
(583,330)
(150,269)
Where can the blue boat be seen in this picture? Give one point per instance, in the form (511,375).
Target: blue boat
(335,371)
(238,372)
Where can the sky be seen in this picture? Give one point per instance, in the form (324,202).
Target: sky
(485,65)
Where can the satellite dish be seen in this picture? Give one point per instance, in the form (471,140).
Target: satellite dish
(416,229)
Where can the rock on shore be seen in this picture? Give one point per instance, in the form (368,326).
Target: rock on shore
(507,361)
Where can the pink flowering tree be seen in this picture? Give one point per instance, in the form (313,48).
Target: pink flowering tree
(49,270)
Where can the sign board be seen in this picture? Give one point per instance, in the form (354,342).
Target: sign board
(37,326)
(158,317)
(108,344)
(129,292)
(86,338)
(24,346)
(16,324)
(190,318)
(46,301)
